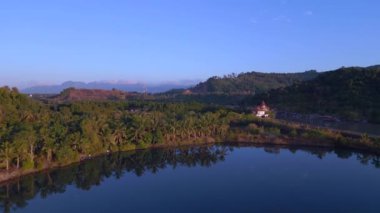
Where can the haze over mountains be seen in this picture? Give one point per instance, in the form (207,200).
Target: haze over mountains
(243,83)
(129,87)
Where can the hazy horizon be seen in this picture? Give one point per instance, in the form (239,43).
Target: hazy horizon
(45,42)
(24,85)
(28,84)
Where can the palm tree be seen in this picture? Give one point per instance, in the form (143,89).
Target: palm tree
(6,152)
(118,137)
(21,149)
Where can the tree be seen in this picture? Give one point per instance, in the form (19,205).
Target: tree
(6,153)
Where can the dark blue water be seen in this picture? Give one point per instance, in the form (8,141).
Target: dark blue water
(206,179)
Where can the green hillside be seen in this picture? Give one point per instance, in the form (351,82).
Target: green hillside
(250,82)
(351,93)
(16,107)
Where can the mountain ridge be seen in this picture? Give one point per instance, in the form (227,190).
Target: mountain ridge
(250,82)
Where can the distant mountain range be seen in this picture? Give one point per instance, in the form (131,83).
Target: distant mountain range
(129,87)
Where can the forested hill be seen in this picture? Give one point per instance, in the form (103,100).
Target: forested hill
(352,93)
(72,94)
(16,107)
(37,135)
(250,82)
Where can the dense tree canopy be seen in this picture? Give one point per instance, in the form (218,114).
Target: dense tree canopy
(250,82)
(34,134)
(351,93)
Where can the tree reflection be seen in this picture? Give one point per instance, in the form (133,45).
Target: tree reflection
(16,193)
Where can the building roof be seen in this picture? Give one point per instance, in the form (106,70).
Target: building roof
(262,107)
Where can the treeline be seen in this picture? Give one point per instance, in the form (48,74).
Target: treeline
(350,93)
(271,131)
(250,82)
(208,99)
(36,135)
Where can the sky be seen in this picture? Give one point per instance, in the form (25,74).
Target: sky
(46,42)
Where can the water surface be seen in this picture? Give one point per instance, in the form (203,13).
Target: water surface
(205,179)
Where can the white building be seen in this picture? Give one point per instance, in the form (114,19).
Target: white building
(262,110)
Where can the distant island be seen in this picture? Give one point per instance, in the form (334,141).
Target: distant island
(39,132)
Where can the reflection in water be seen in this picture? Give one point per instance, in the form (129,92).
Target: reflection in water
(364,158)
(92,172)
(15,194)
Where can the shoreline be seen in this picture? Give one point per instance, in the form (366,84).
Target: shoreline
(259,141)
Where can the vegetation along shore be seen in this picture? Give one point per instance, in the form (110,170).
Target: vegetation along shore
(36,136)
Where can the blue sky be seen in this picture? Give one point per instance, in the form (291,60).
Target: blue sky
(170,40)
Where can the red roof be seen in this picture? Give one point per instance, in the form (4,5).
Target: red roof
(262,107)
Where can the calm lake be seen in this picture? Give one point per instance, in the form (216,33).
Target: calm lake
(205,179)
